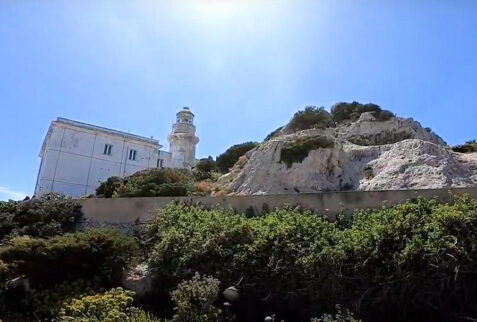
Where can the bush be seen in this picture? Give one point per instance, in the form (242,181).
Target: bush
(107,188)
(204,169)
(194,300)
(149,183)
(96,252)
(226,160)
(352,111)
(468,147)
(310,117)
(38,218)
(340,316)
(265,251)
(114,305)
(299,150)
(111,306)
(273,133)
(47,302)
(410,262)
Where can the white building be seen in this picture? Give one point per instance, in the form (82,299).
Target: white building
(76,157)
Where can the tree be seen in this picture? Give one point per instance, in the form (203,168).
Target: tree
(227,159)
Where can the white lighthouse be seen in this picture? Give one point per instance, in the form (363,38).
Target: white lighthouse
(183,140)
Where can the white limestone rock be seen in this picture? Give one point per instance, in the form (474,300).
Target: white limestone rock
(368,154)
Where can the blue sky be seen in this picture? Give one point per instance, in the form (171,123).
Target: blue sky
(244,67)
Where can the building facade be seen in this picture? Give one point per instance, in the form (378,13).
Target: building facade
(76,157)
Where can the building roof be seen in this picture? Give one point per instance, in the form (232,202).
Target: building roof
(185,109)
(106,130)
(99,129)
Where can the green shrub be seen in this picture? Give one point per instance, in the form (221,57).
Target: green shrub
(47,302)
(419,255)
(195,298)
(107,188)
(115,305)
(273,133)
(38,218)
(110,306)
(264,251)
(468,147)
(149,183)
(204,169)
(226,160)
(299,150)
(352,111)
(96,252)
(310,117)
(412,261)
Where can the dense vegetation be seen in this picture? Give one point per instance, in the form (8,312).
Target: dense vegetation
(352,111)
(38,217)
(226,160)
(468,147)
(412,262)
(415,261)
(310,117)
(299,150)
(149,183)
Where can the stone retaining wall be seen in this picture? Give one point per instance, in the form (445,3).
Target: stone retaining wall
(126,211)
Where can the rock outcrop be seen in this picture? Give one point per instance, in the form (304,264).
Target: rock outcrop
(367,154)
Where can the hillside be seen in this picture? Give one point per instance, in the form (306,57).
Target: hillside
(356,147)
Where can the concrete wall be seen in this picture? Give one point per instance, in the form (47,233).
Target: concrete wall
(124,210)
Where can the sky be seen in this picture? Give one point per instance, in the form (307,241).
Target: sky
(243,67)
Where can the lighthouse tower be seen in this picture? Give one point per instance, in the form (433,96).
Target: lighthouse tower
(182,140)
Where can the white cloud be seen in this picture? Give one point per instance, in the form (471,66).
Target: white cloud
(6,194)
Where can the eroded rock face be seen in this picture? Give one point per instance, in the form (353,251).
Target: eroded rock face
(366,155)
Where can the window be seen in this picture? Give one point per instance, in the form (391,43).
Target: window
(107,149)
(160,163)
(132,154)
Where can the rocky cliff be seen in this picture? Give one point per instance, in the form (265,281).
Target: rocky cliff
(365,154)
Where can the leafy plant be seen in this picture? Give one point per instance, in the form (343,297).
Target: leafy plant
(226,160)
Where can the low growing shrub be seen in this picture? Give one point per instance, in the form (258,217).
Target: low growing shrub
(115,305)
(47,302)
(468,147)
(352,111)
(194,300)
(411,262)
(310,117)
(273,133)
(149,183)
(95,252)
(38,217)
(299,150)
(110,305)
(226,160)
